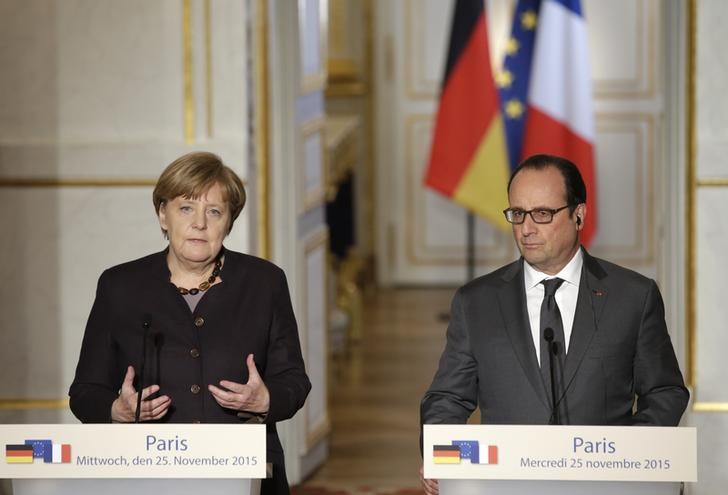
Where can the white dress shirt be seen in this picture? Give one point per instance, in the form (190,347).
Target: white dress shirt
(566,297)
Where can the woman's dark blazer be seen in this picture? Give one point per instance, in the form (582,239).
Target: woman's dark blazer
(248,312)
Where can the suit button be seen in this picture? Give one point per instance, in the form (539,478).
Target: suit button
(199,321)
(194,353)
(196,421)
(195,388)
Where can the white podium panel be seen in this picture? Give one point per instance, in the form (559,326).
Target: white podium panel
(526,459)
(136,487)
(172,451)
(506,487)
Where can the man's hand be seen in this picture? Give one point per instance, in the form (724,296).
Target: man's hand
(431,487)
(250,397)
(123,409)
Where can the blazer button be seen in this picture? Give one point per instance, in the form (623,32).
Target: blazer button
(199,321)
(194,353)
(195,388)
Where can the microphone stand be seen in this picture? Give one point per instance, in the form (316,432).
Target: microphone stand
(548,335)
(140,385)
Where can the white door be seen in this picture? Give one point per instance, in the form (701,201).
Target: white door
(421,235)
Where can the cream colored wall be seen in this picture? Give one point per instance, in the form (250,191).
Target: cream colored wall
(708,234)
(93,106)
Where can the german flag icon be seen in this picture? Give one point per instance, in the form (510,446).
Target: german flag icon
(446,454)
(18,454)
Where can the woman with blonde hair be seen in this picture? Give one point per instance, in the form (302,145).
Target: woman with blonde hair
(217,327)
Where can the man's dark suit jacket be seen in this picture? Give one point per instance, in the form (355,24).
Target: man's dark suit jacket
(619,350)
(248,312)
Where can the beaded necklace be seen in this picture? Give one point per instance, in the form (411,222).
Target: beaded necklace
(207,283)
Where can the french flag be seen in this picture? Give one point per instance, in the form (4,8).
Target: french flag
(61,453)
(560,116)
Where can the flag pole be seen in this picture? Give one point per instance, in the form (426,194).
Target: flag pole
(469,255)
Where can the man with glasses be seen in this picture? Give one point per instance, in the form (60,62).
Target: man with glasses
(558,336)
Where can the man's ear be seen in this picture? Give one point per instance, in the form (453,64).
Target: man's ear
(580,215)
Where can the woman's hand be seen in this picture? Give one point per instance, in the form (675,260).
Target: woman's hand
(123,408)
(250,397)
(431,487)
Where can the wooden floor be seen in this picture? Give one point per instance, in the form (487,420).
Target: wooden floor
(375,395)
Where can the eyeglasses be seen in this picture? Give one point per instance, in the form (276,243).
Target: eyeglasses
(539,215)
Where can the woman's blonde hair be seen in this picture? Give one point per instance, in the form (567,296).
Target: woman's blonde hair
(192,175)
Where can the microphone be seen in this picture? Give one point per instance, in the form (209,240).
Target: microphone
(158,343)
(146,324)
(548,336)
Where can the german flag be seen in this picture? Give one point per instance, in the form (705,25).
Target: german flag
(468,160)
(446,454)
(18,454)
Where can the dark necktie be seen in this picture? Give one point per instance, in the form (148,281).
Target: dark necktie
(551,318)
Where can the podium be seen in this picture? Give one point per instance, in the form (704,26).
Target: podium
(481,487)
(116,459)
(136,486)
(550,460)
